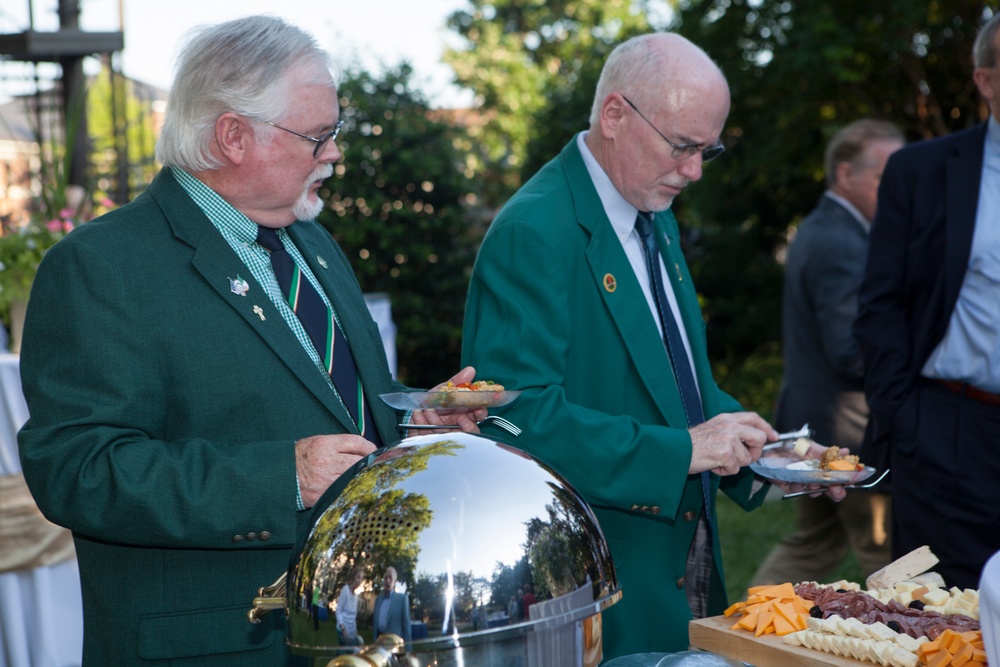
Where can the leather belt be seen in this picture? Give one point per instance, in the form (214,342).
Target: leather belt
(971,392)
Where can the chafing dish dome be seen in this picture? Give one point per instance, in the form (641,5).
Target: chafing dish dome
(465,522)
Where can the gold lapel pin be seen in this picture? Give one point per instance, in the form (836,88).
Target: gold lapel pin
(260,312)
(610,284)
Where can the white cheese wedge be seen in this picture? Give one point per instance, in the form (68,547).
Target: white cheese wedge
(916,562)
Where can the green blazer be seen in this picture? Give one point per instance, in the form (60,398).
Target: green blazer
(554,309)
(163,412)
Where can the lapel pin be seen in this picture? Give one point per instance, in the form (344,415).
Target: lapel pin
(238,286)
(260,312)
(322,262)
(677,268)
(610,284)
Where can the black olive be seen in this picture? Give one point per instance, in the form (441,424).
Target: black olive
(841,590)
(816,612)
(916,604)
(895,627)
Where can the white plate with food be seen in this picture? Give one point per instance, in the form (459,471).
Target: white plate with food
(479,394)
(793,470)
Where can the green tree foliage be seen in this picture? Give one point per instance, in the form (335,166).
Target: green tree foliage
(119,117)
(506,581)
(396,208)
(798,72)
(533,64)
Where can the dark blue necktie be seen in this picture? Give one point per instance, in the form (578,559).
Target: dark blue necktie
(324,332)
(700,561)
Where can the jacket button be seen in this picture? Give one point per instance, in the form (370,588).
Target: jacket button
(237,539)
(689,516)
(265,536)
(680,583)
(251,536)
(655,509)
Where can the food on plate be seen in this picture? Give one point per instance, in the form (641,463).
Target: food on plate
(478,385)
(466,394)
(801,446)
(832,460)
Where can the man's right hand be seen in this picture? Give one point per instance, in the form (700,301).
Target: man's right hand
(728,442)
(321,459)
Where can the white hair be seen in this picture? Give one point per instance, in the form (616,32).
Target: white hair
(240,66)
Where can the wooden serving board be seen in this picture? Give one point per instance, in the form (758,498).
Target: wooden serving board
(713,634)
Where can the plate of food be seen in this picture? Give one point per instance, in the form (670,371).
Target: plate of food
(832,468)
(478,394)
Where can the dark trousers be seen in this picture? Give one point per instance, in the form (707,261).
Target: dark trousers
(946,481)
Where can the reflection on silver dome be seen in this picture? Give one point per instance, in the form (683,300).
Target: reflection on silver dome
(465,522)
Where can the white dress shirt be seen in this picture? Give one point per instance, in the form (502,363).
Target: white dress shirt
(622,216)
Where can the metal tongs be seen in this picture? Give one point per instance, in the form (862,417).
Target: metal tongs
(791,436)
(866,485)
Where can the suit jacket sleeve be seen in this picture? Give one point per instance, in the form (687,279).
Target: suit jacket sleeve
(882,328)
(832,277)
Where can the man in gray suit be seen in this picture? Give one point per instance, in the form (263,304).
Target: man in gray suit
(823,382)
(392,609)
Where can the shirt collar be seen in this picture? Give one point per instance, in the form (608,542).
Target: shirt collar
(991,149)
(619,211)
(224,216)
(855,213)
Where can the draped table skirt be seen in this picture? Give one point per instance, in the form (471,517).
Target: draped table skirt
(41,611)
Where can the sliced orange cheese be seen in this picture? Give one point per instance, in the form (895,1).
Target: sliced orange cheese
(765,623)
(771,609)
(953,649)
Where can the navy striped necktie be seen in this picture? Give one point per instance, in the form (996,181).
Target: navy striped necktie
(699,570)
(324,332)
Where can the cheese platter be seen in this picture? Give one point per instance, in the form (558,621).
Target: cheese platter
(714,635)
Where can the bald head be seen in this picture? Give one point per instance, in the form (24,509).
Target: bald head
(657,69)
(659,110)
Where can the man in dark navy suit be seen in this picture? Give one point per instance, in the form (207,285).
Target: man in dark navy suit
(929,330)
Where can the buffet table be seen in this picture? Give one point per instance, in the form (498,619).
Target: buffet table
(41,617)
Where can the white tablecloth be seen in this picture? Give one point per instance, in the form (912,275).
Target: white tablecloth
(41,613)
(989,608)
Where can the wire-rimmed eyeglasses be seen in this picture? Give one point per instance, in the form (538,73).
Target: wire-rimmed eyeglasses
(683,151)
(319,141)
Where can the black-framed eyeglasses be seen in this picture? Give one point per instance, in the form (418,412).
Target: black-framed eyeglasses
(683,151)
(319,141)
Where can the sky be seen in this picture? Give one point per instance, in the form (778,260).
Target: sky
(373,33)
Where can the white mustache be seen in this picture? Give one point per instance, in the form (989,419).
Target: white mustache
(321,173)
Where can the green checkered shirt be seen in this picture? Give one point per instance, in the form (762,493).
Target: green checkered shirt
(240,232)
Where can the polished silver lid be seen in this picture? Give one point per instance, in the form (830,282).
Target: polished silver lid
(466,522)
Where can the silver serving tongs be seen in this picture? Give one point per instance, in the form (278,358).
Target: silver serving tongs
(791,436)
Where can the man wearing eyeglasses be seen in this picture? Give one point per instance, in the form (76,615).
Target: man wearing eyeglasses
(617,391)
(184,410)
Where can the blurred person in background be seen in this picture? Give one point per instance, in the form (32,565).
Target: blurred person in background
(823,383)
(392,609)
